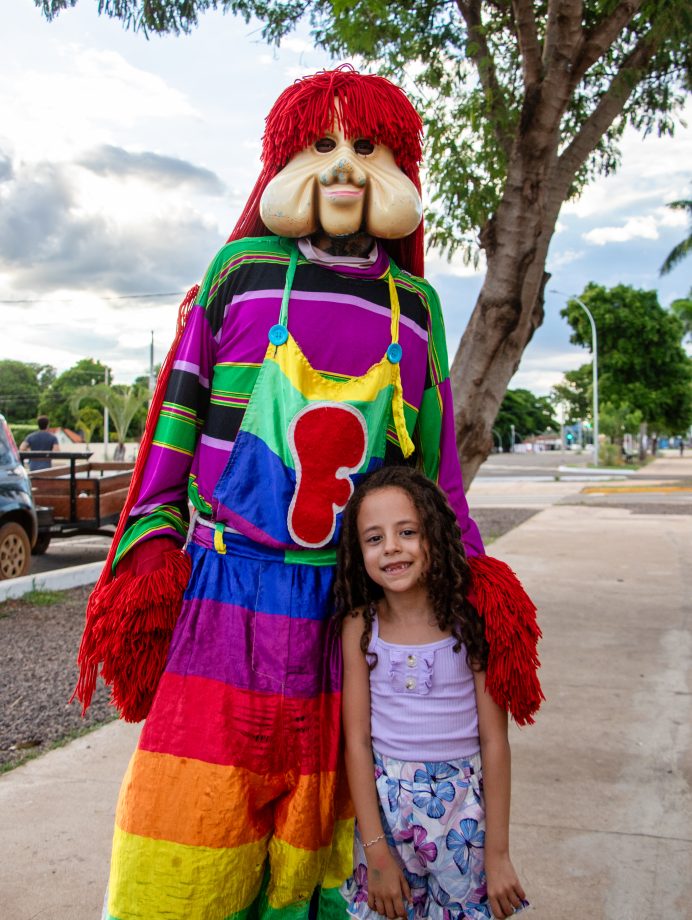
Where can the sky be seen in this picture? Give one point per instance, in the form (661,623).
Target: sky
(124,164)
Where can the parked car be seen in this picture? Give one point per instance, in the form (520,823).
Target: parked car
(18,518)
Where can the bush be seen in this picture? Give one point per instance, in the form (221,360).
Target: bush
(609,455)
(19,432)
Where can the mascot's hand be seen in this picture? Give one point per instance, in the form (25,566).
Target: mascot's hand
(130,622)
(146,557)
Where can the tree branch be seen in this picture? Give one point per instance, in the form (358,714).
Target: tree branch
(597,41)
(529,45)
(563,33)
(487,73)
(609,107)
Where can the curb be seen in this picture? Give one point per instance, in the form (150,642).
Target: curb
(60,580)
(634,489)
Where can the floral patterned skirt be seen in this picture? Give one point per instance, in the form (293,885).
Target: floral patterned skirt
(434,819)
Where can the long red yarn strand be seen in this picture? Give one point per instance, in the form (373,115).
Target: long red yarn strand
(95,645)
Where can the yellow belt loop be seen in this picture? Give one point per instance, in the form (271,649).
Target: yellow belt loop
(405,442)
(219,545)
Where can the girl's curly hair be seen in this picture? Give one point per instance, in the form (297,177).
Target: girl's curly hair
(448,577)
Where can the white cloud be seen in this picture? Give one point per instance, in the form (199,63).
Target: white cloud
(635,228)
(560,259)
(671,217)
(653,170)
(94,96)
(437,264)
(641,227)
(296,45)
(540,371)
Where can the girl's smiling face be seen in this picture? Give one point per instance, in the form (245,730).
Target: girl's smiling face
(389,532)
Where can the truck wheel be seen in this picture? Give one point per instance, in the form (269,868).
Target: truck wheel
(41,545)
(15,551)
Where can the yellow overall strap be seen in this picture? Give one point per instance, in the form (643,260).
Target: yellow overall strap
(405,442)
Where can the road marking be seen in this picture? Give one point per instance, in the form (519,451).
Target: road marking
(605,490)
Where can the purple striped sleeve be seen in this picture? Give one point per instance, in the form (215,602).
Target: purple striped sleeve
(449,477)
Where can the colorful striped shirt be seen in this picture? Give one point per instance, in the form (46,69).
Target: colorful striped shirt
(340,316)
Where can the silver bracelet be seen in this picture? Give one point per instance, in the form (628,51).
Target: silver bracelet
(374,840)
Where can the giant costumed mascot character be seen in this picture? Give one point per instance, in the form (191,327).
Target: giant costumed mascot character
(312,353)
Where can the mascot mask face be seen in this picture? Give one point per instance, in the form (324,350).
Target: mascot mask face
(342,186)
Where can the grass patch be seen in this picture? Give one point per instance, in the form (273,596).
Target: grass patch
(39,597)
(42,598)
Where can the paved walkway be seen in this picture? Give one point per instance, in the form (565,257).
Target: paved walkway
(602,806)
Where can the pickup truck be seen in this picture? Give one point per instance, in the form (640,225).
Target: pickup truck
(18,515)
(73,496)
(84,497)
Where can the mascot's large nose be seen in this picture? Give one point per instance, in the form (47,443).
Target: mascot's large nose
(344,169)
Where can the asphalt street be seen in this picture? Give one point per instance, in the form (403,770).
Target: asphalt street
(547,478)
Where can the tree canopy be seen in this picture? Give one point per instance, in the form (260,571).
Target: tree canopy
(523,102)
(123,404)
(642,365)
(55,402)
(19,391)
(682,308)
(529,414)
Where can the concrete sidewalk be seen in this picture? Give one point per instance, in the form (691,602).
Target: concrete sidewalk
(602,803)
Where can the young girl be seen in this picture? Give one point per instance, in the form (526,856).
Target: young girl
(432,829)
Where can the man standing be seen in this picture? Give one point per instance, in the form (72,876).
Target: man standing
(40,440)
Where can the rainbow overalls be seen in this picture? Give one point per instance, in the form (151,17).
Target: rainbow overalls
(238,766)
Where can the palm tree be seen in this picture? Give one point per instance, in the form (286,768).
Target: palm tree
(122,406)
(678,253)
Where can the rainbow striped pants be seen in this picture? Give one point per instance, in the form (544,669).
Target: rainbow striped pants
(235,802)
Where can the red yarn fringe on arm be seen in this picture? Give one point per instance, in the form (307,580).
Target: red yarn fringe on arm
(512,633)
(130,619)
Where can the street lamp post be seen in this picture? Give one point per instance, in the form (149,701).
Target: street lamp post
(594,340)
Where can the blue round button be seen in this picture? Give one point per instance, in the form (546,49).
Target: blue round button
(278,334)
(394,353)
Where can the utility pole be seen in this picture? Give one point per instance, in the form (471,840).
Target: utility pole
(152,382)
(594,349)
(105,422)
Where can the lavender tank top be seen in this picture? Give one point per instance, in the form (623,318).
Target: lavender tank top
(422,700)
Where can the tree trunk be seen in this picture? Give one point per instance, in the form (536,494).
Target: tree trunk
(509,307)
(516,239)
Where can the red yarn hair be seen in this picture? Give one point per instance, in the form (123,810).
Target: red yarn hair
(369,106)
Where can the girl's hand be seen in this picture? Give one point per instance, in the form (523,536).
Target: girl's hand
(388,890)
(505,892)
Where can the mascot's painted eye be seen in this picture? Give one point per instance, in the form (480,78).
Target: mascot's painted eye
(325,145)
(363,146)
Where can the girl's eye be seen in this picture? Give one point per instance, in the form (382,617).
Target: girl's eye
(363,146)
(374,539)
(408,533)
(325,144)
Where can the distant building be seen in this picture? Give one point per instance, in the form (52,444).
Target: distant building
(549,440)
(68,439)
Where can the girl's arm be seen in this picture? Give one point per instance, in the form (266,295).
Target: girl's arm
(387,887)
(505,892)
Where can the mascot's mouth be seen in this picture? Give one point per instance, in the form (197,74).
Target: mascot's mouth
(336,191)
